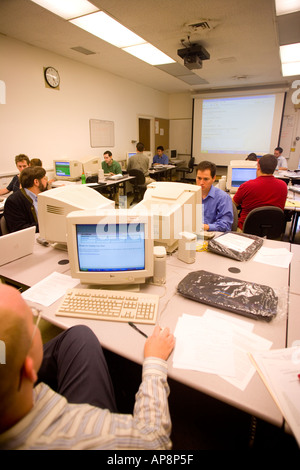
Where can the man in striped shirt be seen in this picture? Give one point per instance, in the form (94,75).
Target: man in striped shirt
(81,413)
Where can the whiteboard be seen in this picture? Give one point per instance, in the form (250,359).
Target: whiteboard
(181,135)
(102,133)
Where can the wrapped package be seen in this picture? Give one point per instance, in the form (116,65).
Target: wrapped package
(234,295)
(238,246)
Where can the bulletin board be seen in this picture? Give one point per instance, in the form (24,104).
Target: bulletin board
(102,133)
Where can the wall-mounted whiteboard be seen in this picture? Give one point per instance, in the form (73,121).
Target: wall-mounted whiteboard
(102,133)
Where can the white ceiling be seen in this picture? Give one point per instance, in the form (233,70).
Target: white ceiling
(242,39)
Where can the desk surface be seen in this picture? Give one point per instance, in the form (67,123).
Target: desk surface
(123,340)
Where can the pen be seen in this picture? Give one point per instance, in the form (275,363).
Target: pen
(137,329)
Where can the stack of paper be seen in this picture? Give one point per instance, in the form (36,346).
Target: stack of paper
(218,344)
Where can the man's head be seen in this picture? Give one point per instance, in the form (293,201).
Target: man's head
(22,161)
(108,157)
(160,150)
(206,175)
(23,349)
(252,157)
(266,164)
(140,147)
(36,162)
(278,151)
(34,178)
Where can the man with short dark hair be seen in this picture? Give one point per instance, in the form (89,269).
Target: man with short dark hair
(281,161)
(110,166)
(217,204)
(264,190)
(21,210)
(160,158)
(22,161)
(139,161)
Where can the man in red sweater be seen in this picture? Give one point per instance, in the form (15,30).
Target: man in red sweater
(265,190)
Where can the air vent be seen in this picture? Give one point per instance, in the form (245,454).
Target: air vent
(82,50)
(55,210)
(203,25)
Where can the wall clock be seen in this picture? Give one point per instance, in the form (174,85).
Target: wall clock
(52,77)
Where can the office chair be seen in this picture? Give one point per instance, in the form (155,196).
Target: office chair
(187,170)
(235,218)
(266,221)
(3,226)
(138,184)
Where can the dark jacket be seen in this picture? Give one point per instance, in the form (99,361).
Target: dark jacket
(19,212)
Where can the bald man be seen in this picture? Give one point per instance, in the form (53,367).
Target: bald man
(37,417)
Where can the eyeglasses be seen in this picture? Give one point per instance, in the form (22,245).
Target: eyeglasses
(37,315)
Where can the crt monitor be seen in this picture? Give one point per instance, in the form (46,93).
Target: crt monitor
(111,247)
(55,204)
(240,171)
(91,166)
(175,208)
(68,170)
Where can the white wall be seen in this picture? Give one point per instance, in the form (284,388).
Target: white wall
(46,123)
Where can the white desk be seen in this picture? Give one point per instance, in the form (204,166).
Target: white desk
(123,340)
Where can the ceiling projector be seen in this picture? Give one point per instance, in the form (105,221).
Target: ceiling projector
(193,56)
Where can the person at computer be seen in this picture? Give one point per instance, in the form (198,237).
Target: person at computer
(217,204)
(264,190)
(252,157)
(160,158)
(109,165)
(21,161)
(21,209)
(281,160)
(139,161)
(60,396)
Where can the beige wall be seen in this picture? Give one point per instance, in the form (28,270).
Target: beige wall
(47,123)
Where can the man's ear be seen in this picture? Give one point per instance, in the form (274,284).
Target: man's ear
(29,370)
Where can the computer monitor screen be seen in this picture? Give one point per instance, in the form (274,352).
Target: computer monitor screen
(240,175)
(238,172)
(55,204)
(175,208)
(69,170)
(111,248)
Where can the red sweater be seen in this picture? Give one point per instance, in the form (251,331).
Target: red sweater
(263,191)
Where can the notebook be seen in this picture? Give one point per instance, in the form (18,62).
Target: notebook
(16,245)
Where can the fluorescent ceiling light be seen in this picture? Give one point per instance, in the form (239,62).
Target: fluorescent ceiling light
(149,54)
(283,7)
(67,9)
(290,59)
(108,29)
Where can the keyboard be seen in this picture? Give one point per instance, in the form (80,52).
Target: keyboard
(110,305)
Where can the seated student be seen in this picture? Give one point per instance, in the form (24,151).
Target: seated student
(281,161)
(217,204)
(36,162)
(160,158)
(264,190)
(22,161)
(20,210)
(110,166)
(139,161)
(73,405)
(252,157)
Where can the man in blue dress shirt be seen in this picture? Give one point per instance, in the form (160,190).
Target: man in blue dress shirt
(160,158)
(217,204)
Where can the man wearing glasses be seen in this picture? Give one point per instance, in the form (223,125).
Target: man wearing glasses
(81,412)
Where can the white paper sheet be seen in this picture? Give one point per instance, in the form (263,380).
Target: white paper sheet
(235,242)
(50,289)
(280,257)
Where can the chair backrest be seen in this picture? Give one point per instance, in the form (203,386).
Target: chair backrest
(139,177)
(235,217)
(4,229)
(265,221)
(191,163)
